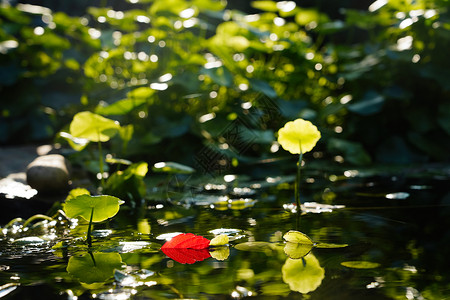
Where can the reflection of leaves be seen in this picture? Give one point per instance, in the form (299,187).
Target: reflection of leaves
(220,253)
(360,264)
(303,275)
(186,256)
(96,268)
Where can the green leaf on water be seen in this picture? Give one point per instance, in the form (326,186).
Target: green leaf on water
(93,127)
(95,267)
(360,264)
(256,247)
(330,245)
(104,207)
(294,236)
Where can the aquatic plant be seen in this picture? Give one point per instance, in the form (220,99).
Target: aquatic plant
(89,127)
(298,137)
(91,208)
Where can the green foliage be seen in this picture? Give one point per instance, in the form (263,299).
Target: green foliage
(128,184)
(93,127)
(100,207)
(364,78)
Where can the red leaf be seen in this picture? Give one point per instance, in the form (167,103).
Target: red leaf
(186,241)
(186,256)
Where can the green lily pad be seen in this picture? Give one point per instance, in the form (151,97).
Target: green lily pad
(104,207)
(93,127)
(94,267)
(297,237)
(256,246)
(360,264)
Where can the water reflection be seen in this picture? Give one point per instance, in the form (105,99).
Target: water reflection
(303,275)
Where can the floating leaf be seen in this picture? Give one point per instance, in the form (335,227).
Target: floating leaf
(93,127)
(330,245)
(186,241)
(297,237)
(186,256)
(360,264)
(256,246)
(219,240)
(303,275)
(296,250)
(104,207)
(94,267)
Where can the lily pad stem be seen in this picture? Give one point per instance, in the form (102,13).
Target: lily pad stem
(89,238)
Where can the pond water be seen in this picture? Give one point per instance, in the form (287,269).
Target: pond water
(376,237)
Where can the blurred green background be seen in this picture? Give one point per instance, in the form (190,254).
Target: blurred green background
(194,79)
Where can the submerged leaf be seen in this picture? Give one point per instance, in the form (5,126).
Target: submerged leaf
(186,241)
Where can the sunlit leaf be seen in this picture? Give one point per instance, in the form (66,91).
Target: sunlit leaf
(104,207)
(303,275)
(120,107)
(360,264)
(219,240)
(294,236)
(93,127)
(95,267)
(77,192)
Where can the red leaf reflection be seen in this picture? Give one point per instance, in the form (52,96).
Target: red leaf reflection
(186,256)
(186,241)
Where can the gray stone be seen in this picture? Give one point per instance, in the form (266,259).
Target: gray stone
(49,174)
